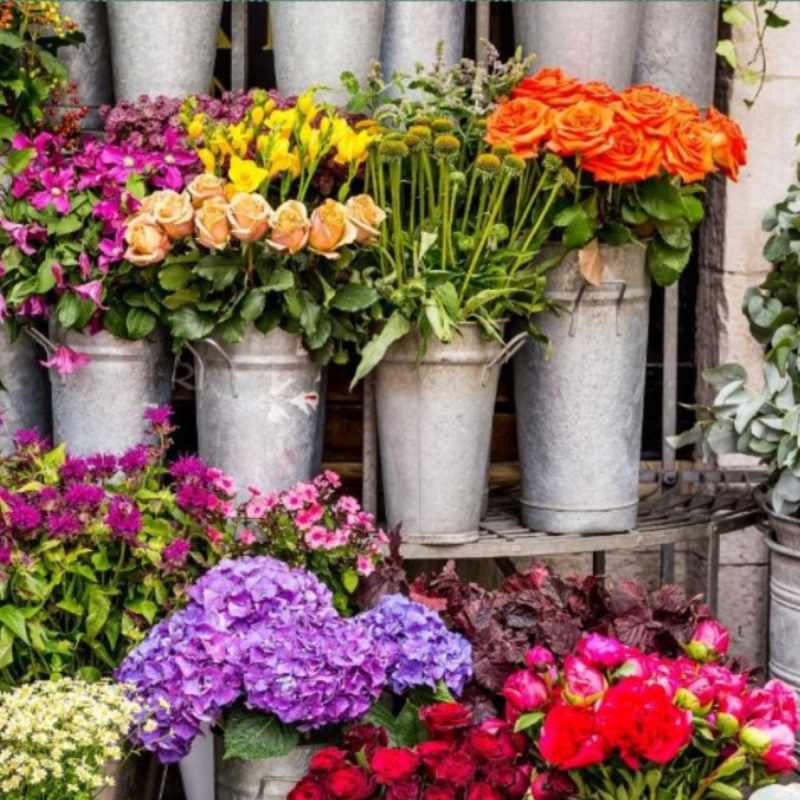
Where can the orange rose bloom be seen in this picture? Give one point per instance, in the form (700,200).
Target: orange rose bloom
(686,150)
(685,107)
(581,129)
(599,92)
(521,123)
(649,107)
(728,145)
(633,156)
(550,86)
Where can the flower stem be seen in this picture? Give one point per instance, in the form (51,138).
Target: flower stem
(535,229)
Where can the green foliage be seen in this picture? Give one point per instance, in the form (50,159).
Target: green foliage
(252,735)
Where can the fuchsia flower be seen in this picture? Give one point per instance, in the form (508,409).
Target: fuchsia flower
(91,291)
(524,692)
(24,235)
(602,651)
(770,742)
(709,642)
(65,360)
(57,184)
(583,683)
(539,659)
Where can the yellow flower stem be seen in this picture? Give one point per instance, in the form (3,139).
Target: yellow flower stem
(497,197)
(397,235)
(535,229)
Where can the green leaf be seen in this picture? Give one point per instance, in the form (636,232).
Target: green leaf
(676,234)
(396,327)
(222,271)
(8,128)
(279,280)
(721,376)
(355,297)
(615,234)
(692,436)
(661,200)
(723,790)
(774,20)
(98,609)
(84,571)
(71,606)
(68,309)
(726,49)
(174,277)
(350,580)
(528,721)
(666,263)
(46,280)
(140,323)
(144,608)
(17,160)
(6,648)
(579,231)
(408,728)
(14,620)
(734,15)
(252,735)
(187,323)
(231,330)
(67,225)
(181,298)
(10,40)
(694,210)
(253,305)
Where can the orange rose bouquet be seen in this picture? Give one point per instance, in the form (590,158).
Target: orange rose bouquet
(636,161)
(266,235)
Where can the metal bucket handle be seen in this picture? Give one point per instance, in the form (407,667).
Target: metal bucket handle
(506,354)
(201,367)
(623,285)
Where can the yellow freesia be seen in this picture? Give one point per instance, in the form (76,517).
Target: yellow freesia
(207,160)
(282,158)
(195,128)
(246,175)
(305,105)
(257,116)
(219,144)
(311,139)
(282,121)
(353,147)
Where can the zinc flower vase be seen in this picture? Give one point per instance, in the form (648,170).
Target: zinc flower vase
(89,65)
(579,410)
(435,428)
(99,406)
(261,779)
(197,769)
(676,48)
(413,30)
(590,40)
(315,42)
(163,48)
(25,403)
(259,409)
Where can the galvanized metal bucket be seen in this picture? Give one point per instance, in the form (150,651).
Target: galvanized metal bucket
(258,409)
(413,30)
(100,407)
(163,48)
(593,41)
(434,429)
(784,620)
(316,42)
(579,411)
(25,403)
(197,769)
(263,779)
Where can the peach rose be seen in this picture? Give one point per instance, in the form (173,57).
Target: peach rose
(211,224)
(330,229)
(290,227)
(174,213)
(249,216)
(368,217)
(205,187)
(147,241)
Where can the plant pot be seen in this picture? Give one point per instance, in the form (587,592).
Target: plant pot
(163,48)
(413,30)
(197,769)
(263,779)
(25,403)
(785,529)
(676,48)
(579,411)
(591,40)
(259,409)
(316,41)
(89,65)
(100,407)
(434,429)
(136,778)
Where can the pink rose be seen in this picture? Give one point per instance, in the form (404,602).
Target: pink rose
(290,227)
(147,241)
(525,692)
(583,683)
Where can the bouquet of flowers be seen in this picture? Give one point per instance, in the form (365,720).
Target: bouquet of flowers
(261,650)
(266,235)
(615,717)
(59,738)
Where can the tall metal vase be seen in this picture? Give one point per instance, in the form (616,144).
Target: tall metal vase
(25,403)
(316,41)
(435,429)
(591,40)
(579,410)
(259,409)
(413,30)
(100,407)
(162,48)
(89,65)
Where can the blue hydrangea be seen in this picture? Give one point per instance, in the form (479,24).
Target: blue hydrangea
(421,651)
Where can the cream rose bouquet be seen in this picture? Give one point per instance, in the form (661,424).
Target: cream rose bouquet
(266,235)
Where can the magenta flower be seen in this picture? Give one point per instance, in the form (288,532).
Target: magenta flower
(85,264)
(111,250)
(65,360)
(33,307)
(57,183)
(91,291)
(602,651)
(3,310)
(23,235)
(122,163)
(709,642)
(175,554)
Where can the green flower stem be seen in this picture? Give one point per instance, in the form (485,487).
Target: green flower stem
(497,202)
(397,223)
(535,229)
(482,202)
(470,193)
(518,224)
(706,782)
(444,194)
(413,194)
(426,164)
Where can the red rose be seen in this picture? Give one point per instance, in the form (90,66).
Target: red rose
(522,782)
(570,738)
(307,789)
(493,739)
(327,759)
(366,738)
(433,753)
(458,769)
(513,782)
(403,790)
(553,786)
(439,791)
(348,783)
(445,717)
(392,764)
(482,791)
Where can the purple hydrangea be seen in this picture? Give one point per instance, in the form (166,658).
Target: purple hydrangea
(421,651)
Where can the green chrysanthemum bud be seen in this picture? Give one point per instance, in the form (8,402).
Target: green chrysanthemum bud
(500,232)
(465,243)
(391,151)
(513,165)
(422,121)
(442,125)
(488,165)
(446,146)
(413,142)
(503,149)
(458,179)
(340,357)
